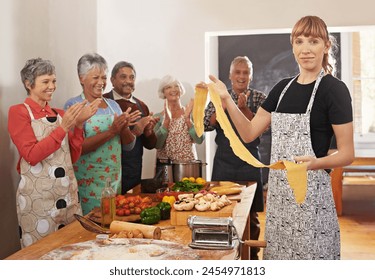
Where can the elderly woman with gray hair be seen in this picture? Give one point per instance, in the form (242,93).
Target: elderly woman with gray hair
(105,133)
(48,141)
(176,135)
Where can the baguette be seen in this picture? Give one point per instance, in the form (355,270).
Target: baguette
(228,184)
(226,190)
(220,187)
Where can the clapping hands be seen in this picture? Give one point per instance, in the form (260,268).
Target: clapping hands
(242,99)
(146,124)
(124,120)
(78,113)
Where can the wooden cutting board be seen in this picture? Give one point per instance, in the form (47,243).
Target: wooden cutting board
(179,218)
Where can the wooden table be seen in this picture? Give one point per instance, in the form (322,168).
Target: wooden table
(75,233)
(337,177)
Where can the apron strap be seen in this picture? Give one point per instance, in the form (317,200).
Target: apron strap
(284,91)
(311,102)
(109,106)
(318,80)
(105,100)
(30,113)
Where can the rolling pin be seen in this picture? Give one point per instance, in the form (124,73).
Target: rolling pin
(150,232)
(256,243)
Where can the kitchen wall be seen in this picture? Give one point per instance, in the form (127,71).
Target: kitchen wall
(57,30)
(159,36)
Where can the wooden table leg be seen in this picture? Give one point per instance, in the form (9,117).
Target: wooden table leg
(245,253)
(336,181)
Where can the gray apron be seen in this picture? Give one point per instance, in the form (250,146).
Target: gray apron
(308,231)
(47,195)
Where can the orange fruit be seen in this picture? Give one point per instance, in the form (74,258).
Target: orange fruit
(200,180)
(192,179)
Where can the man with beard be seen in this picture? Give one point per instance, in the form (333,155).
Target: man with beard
(123,81)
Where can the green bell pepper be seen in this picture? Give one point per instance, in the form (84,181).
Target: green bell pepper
(150,215)
(165,210)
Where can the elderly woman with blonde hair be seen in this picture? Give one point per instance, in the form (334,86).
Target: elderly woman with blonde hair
(176,135)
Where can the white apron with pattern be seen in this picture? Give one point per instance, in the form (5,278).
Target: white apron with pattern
(308,231)
(179,144)
(47,195)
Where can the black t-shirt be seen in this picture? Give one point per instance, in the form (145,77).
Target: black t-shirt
(332,105)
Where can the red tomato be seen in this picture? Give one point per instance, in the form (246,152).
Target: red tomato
(120,212)
(122,201)
(143,206)
(137,201)
(120,196)
(137,210)
(125,206)
(147,200)
(127,212)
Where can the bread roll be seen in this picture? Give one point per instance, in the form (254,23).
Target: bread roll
(226,191)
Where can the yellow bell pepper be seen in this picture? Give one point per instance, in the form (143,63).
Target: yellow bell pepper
(169,198)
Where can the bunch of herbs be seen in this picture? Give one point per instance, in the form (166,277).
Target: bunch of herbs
(186,186)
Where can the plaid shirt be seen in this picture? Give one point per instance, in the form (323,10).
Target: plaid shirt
(258,99)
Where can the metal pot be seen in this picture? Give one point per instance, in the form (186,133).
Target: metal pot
(164,170)
(183,169)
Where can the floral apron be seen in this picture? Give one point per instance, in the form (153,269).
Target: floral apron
(93,168)
(47,195)
(178,145)
(308,231)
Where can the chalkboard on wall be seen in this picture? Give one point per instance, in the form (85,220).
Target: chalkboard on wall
(271,55)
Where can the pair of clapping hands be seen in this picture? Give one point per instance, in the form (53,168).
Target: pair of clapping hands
(78,113)
(187,112)
(144,125)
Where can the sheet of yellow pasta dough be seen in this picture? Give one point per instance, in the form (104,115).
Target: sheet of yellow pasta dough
(200,98)
(297,178)
(296,173)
